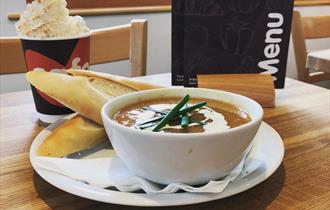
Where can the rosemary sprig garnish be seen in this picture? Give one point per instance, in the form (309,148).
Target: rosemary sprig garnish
(171,115)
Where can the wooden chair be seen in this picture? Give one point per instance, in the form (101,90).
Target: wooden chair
(107,45)
(304,28)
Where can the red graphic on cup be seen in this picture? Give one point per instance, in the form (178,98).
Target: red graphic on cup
(79,59)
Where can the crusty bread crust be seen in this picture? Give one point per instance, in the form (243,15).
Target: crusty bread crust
(130,82)
(85,92)
(74,135)
(73,92)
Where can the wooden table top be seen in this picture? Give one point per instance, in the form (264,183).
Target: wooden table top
(319,60)
(302,181)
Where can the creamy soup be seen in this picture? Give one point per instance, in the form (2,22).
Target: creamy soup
(215,116)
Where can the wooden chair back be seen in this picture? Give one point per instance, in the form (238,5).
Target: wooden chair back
(107,45)
(304,28)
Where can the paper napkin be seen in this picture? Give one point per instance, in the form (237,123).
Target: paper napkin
(111,172)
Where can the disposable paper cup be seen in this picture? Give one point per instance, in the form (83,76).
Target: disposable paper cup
(54,55)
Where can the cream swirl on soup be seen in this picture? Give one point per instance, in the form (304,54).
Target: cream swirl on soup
(216,116)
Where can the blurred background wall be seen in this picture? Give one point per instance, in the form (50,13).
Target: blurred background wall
(159,41)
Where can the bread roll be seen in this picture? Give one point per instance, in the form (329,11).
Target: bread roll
(74,135)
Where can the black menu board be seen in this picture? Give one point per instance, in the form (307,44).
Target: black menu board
(177,41)
(231,36)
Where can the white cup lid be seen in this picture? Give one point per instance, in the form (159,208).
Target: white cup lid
(50,118)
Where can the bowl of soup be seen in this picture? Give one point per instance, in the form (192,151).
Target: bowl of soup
(205,138)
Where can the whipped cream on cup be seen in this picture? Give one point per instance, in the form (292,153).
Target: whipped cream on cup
(49,19)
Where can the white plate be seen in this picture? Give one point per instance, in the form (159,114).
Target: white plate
(268,147)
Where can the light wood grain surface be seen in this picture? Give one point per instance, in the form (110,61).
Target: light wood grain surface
(259,87)
(138,50)
(304,28)
(302,181)
(11,56)
(121,43)
(109,11)
(95,8)
(109,44)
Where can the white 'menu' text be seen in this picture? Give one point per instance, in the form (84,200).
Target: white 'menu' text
(272,49)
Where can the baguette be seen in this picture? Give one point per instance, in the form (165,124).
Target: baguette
(129,82)
(85,92)
(73,135)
